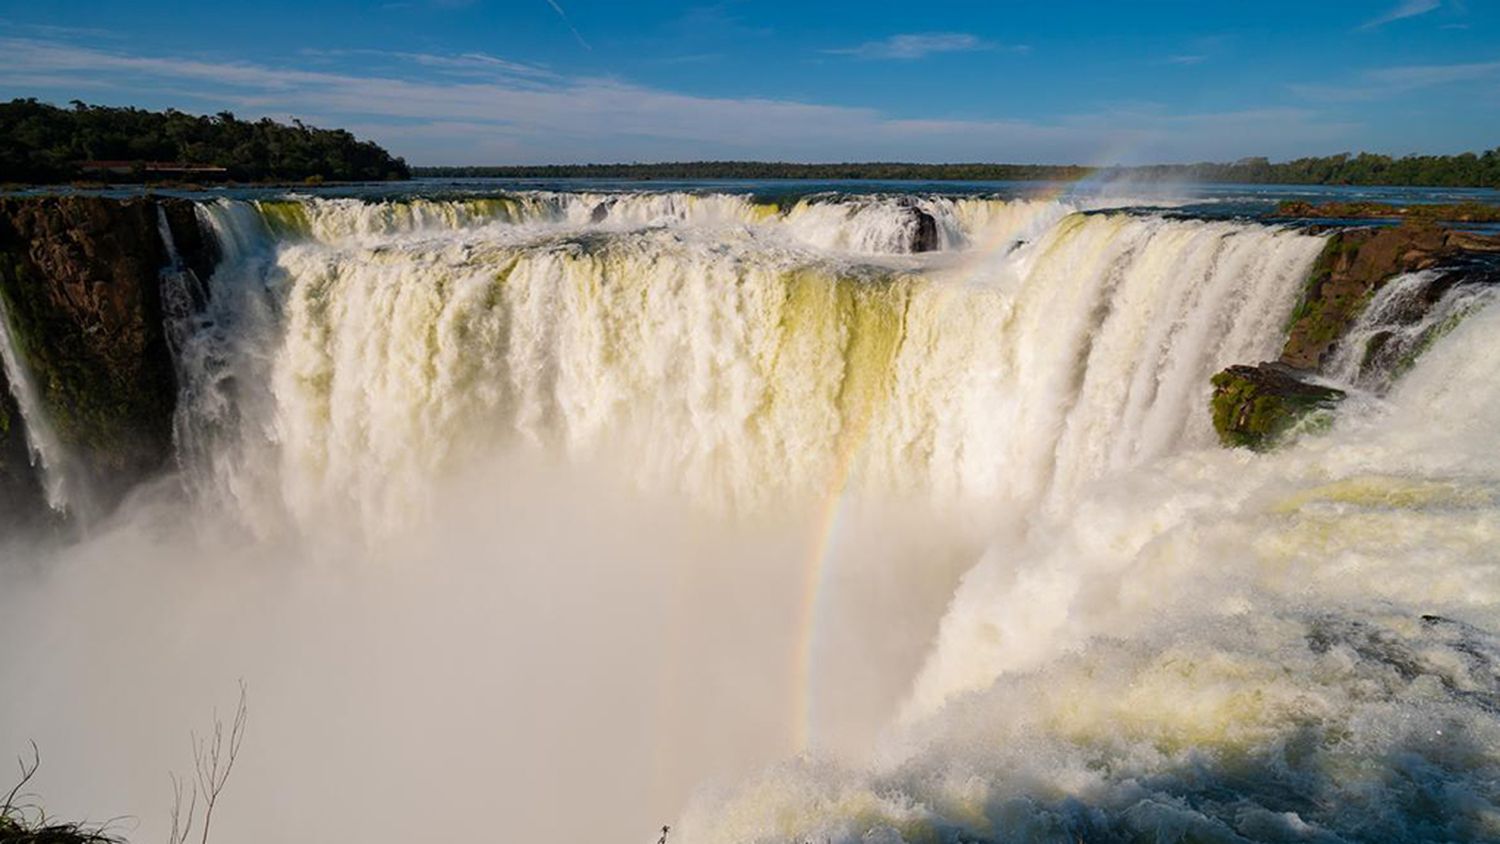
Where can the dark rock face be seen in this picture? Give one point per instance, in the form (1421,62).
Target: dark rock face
(196,248)
(925,239)
(600,213)
(924,232)
(1254,406)
(21,498)
(79,277)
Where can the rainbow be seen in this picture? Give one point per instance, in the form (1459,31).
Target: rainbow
(824,536)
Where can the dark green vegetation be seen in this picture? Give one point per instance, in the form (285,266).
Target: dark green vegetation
(17,827)
(1466,170)
(1256,406)
(1460,212)
(23,822)
(690,170)
(44,144)
(79,279)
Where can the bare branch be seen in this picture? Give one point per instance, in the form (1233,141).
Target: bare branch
(214,756)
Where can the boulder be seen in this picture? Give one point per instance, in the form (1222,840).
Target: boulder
(1256,406)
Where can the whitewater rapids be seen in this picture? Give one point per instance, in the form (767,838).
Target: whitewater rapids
(554,513)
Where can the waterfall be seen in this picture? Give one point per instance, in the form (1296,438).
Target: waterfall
(566,503)
(59,473)
(1402,319)
(183,296)
(1224,647)
(744,368)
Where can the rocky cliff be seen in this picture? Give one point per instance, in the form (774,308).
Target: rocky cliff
(79,282)
(1255,406)
(20,489)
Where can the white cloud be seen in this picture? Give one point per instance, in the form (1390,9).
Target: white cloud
(1186,60)
(462,64)
(1404,9)
(49,31)
(422,109)
(1383,83)
(917,45)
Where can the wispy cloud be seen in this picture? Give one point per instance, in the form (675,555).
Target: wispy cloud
(918,45)
(462,64)
(421,109)
(49,31)
(1382,83)
(556,7)
(1186,60)
(1404,9)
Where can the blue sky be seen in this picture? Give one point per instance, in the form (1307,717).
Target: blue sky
(534,81)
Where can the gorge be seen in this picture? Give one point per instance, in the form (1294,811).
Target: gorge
(896,516)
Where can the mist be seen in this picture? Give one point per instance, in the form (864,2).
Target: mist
(554,656)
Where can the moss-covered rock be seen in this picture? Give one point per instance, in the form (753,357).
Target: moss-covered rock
(79,280)
(1256,406)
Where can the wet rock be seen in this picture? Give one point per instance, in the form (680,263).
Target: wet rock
(21,501)
(1256,406)
(924,236)
(1352,267)
(79,277)
(196,246)
(600,212)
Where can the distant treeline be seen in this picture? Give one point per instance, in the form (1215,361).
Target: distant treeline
(42,144)
(1466,170)
(692,170)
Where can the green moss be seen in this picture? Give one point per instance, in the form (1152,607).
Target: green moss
(1319,275)
(1256,408)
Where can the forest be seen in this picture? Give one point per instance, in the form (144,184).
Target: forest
(45,144)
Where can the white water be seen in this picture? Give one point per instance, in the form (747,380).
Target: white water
(867,225)
(738,367)
(1296,646)
(508,514)
(1397,325)
(55,467)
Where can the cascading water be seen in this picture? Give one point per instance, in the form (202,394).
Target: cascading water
(1405,317)
(59,474)
(1296,646)
(563,503)
(742,366)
